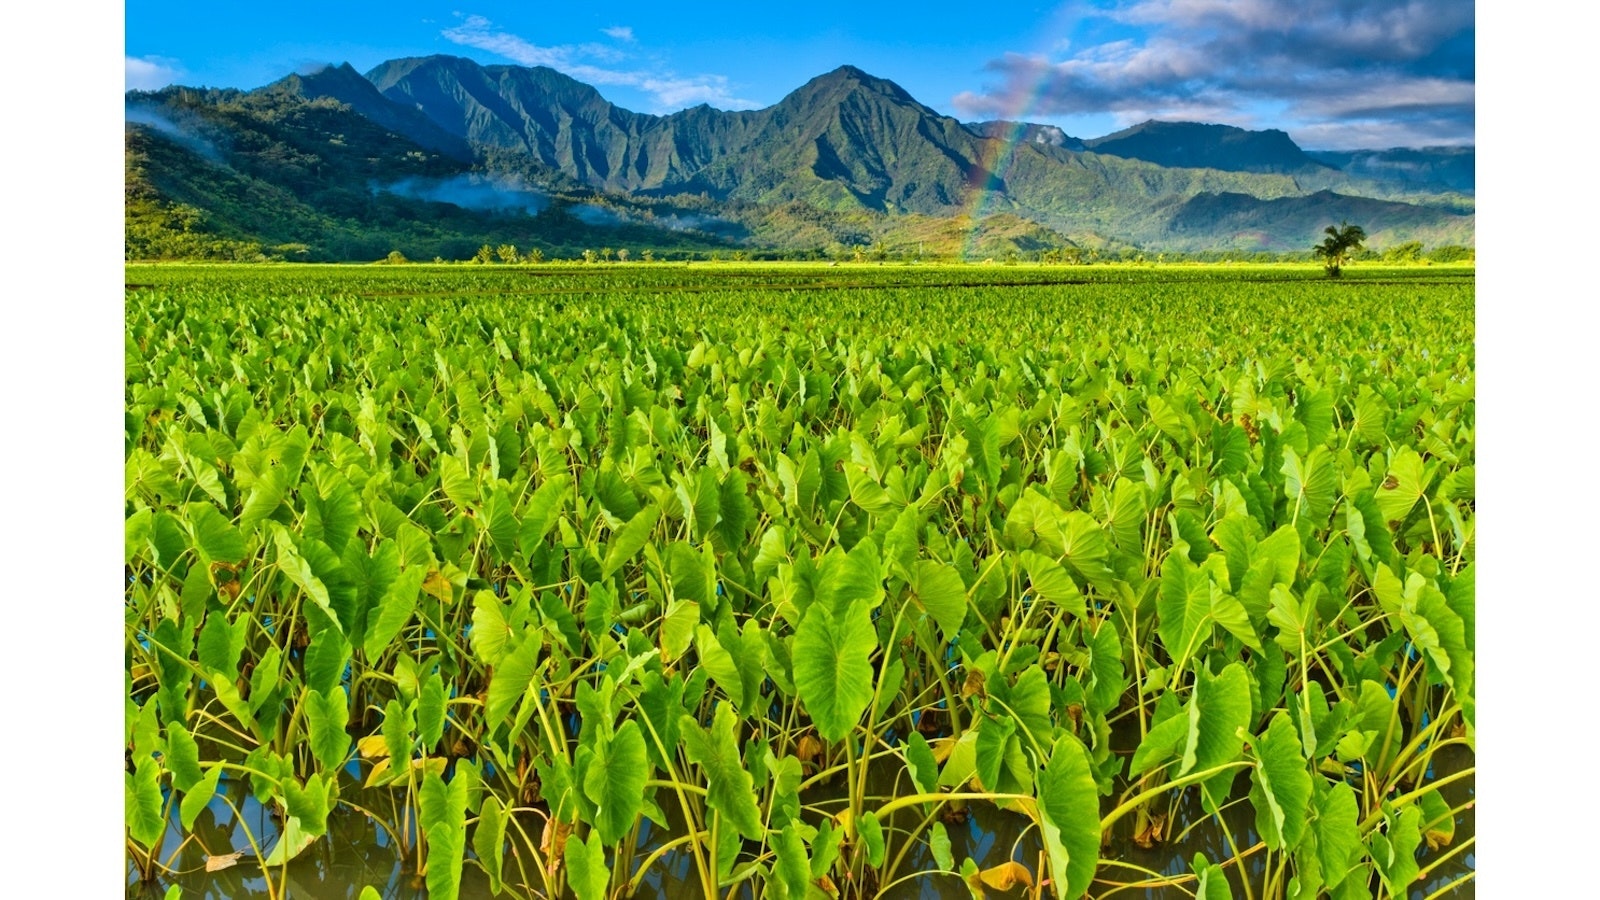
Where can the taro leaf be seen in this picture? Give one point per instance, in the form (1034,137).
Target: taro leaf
(1218,710)
(729,788)
(1310,485)
(1282,550)
(215,536)
(615,781)
(1106,681)
(1007,875)
(832,666)
(1402,487)
(311,803)
(1371,419)
(541,512)
(1234,535)
(490,631)
(1069,817)
(489,840)
(1034,521)
(327,715)
(299,571)
(629,539)
(1281,785)
(1084,545)
(1183,608)
(939,846)
(1438,825)
(888,691)
(500,523)
(1051,582)
(221,643)
(677,628)
(1161,743)
(510,680)
(292,841)
(871,832)
(718,662)
(786,776)
(456,482)
(866,493)
(660,705)
(142,802)
(849,581)
(265,496)
(430,712)
(1029,702)
(399,722)
(1126,515)
(198,797)
(1212,883)
(939,590)
(792,867)
(368,892)
(1230,614)
(920,762)
(147,730)
(325,660)
(442,816)
(182,757)
(1437,631)
(993,736)
(1394,852)
(1294,620)
(332,519)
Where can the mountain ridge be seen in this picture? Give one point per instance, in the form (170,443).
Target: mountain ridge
(850,145)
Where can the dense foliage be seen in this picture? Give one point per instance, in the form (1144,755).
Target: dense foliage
(766,575)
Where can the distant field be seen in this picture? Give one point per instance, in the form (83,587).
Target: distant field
(774,580)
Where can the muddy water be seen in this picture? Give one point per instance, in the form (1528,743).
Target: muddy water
(362,852)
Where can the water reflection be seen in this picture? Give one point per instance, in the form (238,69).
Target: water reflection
(360,852)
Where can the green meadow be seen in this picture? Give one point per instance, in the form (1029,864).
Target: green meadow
(797,581)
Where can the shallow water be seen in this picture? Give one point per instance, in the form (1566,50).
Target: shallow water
(361,852)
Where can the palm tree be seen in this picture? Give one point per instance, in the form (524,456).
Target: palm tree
(1342,242)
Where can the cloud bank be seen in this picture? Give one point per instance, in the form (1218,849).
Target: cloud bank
(149,73)
(1337,74)
(582,61)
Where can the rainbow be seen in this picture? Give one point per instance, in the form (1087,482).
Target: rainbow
(997,153)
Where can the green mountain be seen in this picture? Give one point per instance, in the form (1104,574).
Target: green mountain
(442,154)
(1440,168)
(1196,146)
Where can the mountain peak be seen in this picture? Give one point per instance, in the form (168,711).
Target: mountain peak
(1199,145)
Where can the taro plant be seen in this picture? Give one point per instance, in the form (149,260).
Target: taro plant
(646,579)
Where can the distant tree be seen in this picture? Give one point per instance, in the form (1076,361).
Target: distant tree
(588,256)
(1450,253)
(622,255)
(648,255)
(1409,252)
(507,253)
(396,258)
(858,253)
(880,251)
(484,256)
(1342,243)
(739,256)
(534,255)
(605,253)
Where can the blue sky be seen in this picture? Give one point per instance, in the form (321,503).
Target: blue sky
(1333,73)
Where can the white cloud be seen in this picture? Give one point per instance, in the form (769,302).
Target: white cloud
(149,73)
(1377,67)
(670,90)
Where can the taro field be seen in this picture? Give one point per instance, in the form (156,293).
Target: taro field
(798,582)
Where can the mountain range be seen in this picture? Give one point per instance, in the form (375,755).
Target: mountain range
(436,155)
